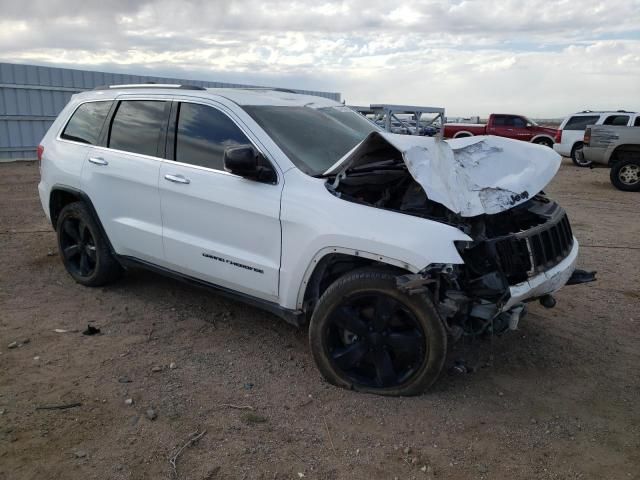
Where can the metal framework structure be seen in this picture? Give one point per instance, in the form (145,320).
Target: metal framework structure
(385,114)
(32,96)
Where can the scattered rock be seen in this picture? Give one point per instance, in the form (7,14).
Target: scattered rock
(25,341)
(128,401)
(357,451)
(151,414)
(173,366)
(251,418)
(91,330)
(300,475)
(533,421)
(501,394)
(248,386)
(414,460)
(156,369)
(482,468)
(13,345)
(36,358)
(51,253)
(80,453)
(2,410)
(407,450)
(124,380)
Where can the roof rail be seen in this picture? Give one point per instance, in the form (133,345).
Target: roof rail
(150,85)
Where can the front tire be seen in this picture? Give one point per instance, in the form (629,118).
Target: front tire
(576,156)
(625,175)
(84,250)
(367,335)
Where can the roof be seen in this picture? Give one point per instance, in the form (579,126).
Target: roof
(240,96)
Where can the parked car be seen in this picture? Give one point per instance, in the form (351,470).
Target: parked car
(390,246)
(569,139)
(617,148)
(503,125)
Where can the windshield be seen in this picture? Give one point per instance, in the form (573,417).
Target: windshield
(313,138)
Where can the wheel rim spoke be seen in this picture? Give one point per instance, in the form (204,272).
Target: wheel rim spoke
(385,371)
(349,356)
(91,253)
(349,319)
(405,343)
(384,310)
(71,230)
(84,263)
(71,251)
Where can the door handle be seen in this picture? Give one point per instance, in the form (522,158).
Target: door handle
(98,161)
(177,179)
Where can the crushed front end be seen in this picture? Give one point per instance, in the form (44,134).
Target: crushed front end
(517,256)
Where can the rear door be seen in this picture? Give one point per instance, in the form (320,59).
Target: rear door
(500,126)
(121,177)
(218,227)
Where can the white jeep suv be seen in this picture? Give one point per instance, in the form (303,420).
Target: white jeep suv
(390,246)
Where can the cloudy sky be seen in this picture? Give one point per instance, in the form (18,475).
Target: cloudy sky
(542,58)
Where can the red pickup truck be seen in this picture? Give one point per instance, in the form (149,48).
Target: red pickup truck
(504,125)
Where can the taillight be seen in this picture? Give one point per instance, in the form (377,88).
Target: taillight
(40,152)
(587,136)
(558,138)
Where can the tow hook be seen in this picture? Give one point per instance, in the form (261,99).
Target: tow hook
(548,301)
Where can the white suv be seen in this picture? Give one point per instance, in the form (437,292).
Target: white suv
(570,135)
(389,245)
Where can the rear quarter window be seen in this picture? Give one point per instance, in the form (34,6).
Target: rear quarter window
(617,120)
(581,122)
(85,124)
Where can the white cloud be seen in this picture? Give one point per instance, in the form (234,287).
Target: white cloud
(542,58)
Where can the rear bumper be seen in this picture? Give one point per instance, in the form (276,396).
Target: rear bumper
(562,149)
(545,282)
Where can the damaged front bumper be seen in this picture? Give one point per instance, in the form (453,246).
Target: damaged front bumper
(544,283)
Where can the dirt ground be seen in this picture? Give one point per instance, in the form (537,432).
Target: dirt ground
(558,399)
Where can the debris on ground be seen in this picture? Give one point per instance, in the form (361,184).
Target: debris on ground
(156,368)
(151,414)
(91,330)
(128,401)
(172,366)
(63,406)
(193,439)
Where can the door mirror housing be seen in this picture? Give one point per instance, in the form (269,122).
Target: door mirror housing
(245,161)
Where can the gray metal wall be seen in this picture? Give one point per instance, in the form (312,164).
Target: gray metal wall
(32,96)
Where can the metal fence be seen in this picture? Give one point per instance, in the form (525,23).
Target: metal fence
(32,96)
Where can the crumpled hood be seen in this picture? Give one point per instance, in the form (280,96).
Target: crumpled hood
(470,176)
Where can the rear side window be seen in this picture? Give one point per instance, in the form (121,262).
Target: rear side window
(86,122)
(137,125)
(202,135)
(619,120)
(499,121)
(580,123)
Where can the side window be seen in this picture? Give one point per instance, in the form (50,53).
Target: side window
(581,122)
(637,122)
(136,126)
(619,120)
(518,122)
(202,134)
(86,122)
(499,121)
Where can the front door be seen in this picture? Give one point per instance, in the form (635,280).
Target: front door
(217,227)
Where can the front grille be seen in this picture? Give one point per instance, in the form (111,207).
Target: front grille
(535,250)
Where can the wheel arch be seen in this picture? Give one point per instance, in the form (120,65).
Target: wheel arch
(333,262)
(542,136)
(62,195)
(463,134)
(632,149)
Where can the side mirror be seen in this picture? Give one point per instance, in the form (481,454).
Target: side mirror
(529,125)
(245,161)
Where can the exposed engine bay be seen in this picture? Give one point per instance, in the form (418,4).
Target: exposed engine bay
(519,242)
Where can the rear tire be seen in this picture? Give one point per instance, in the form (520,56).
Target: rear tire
(574,156)
(367,335)
(625,175)
(545,142)
(84,251)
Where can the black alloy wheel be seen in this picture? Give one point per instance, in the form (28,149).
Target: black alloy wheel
(367,335)
(84,249)
(375,341)
(78,247)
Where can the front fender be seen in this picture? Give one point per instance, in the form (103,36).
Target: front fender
(316,223)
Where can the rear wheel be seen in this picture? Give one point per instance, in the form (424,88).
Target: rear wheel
(367,335)
(625,175)
(83,249)
(577,157)
(545,142)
